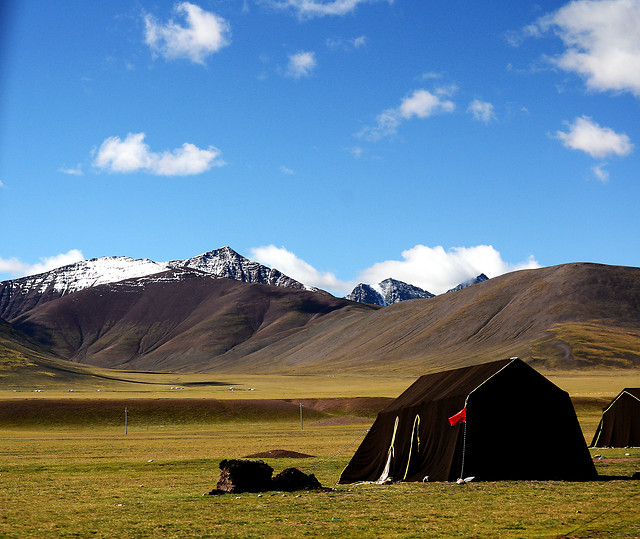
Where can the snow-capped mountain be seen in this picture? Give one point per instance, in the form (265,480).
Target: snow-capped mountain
(364,293)
(479,279)
(19,295)
(225,262)
(88,273)
(392,290)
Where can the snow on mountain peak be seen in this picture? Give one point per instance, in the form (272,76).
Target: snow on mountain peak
(226,263)
(219,263)
(87,273)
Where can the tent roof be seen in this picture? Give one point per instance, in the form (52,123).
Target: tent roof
(447,384)
(635,391)
(620,422)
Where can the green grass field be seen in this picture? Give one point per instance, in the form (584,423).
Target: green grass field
(76,473)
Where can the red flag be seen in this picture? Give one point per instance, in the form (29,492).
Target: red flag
(460,417)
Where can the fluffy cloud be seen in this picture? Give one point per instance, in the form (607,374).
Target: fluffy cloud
(599,142)
(431,268)
(307,9)
(301,64)
(203,34)
(420,104)
(296,268)
(133,155)
(17,268)
(481,110)
(423,104)
(602,42)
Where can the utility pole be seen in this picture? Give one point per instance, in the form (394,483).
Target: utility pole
(301,424)
(126,421)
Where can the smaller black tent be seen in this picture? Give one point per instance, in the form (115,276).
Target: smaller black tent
(620,423)
(498,420)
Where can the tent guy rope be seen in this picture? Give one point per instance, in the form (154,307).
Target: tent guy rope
(337,452)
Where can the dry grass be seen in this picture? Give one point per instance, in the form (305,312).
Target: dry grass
(70,478)
(151,484)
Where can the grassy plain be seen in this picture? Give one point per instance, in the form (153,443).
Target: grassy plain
(75,478)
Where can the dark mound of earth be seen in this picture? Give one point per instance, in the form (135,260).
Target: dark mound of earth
(278,454)
(243,475)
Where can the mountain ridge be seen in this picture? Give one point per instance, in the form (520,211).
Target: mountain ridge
(170,320)
(20,295)
(568,316)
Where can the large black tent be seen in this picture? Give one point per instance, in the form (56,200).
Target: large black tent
(498,420)
(620,423)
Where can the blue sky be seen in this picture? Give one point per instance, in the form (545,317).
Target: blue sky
(339,141)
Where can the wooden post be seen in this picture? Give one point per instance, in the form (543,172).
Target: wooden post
(126,421)
(301,424)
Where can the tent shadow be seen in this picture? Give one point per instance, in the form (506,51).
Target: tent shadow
(634,477)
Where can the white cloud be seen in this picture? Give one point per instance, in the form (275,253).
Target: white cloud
(600,173)
(346,44)
(359,41)
(296,268)
(133,155)
(482,111)
(421,104)
(301,64)
(1,184)
(430,268)
(73,171)
(599,142)
(16,268)
(602,42)
(429,75)
(286,170)
(438,270)
(203,34)
(424,104)
(307,9)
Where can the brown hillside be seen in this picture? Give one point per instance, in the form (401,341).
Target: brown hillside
(26,363)
(574,315)
(568,316)
(180,320)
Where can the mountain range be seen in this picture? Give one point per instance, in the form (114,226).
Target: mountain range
(19,295)
(391,291)
(185,318)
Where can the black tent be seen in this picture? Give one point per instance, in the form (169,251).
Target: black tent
(620,423)
(498,420)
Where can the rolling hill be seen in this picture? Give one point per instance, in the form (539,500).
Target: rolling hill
(178,320)
(569,316)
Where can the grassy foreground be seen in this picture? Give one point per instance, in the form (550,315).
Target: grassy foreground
(102,483)
(76,473)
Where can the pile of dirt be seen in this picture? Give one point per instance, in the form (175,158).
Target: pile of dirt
(238,475)
(243,475)
(278,454)
(293,479)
